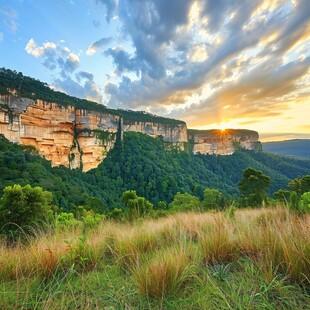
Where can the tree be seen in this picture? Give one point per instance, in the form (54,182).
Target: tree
(185,202)
(300,185)
(136,206)
(23,208)
(282,195)
(213,199)
(305,202)
(253,185)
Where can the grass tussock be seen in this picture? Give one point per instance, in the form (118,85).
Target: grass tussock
(165,257)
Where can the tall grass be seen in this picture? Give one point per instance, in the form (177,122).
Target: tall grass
(163,256)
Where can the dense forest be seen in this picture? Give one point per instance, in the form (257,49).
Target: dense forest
(141,163)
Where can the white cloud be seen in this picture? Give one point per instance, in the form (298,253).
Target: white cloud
(61,59)
(33,49)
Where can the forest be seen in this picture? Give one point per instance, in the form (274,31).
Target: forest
(141,163)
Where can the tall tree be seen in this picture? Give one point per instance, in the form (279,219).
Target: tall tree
(253,185)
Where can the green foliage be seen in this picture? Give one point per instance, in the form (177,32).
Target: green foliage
(135,206)
(213,199)
(117,215)
(83,220)
(142,164)
(282,195)
(34,89)
(185,202)
(253,185)
(66,221)
(300,185)
(23,208)
(294,201)
(131,117)
(305,202)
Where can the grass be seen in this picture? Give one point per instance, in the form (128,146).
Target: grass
(255,259)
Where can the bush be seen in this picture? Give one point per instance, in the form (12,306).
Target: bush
(213,199)
(185,202)
(22,209)
(305,202)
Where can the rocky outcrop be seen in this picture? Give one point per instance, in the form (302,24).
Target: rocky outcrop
(174,134)
(223,142)
(63,135)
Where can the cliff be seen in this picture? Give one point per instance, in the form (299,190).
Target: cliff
(76,138)
(64,135)
(223,142)
(81,138)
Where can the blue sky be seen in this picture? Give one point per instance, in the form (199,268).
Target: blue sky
(214,64)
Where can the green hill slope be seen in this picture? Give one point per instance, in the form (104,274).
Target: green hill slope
(296,147)
(142,164)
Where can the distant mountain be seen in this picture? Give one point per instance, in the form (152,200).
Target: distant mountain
(296,147)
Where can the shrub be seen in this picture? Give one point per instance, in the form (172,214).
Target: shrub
(22,209)
(185,202)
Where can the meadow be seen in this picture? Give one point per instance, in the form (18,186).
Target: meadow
(235,259)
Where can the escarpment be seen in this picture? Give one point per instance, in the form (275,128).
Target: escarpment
(81,138)
(223,142)
(62,134)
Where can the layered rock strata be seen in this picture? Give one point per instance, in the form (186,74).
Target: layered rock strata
(81,138)
(223,142)
(64,135)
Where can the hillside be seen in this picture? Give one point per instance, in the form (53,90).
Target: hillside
(296,147)
(141,163)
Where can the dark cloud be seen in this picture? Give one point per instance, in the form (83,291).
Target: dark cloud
(122,60)
(243,43)
(94,47)
(84,87)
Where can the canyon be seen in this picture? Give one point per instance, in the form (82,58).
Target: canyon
(81,138)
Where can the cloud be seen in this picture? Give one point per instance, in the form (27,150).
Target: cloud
(64,63)
(110,6)
(84,87)
(10,17)
(54,56)
(94,47)
(33,49)
(199,56)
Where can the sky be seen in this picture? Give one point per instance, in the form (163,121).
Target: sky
(212,63)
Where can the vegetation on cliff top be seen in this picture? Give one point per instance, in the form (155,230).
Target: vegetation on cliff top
(227,131)
(28,87)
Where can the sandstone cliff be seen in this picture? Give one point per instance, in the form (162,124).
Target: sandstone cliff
(223,142)
(79,138)
(64,135)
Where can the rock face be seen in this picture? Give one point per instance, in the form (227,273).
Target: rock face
(223,142)
(81,138)
(175,134)
(63,135)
